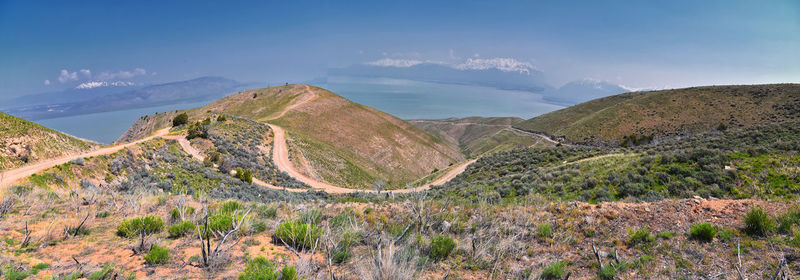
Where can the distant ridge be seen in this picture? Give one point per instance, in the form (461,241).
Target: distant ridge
(639,117)
(341,142)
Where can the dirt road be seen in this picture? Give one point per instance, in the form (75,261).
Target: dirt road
(8,177)
(280,156)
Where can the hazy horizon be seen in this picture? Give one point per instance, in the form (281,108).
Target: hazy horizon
(636,45)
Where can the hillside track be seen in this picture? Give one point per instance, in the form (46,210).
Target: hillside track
(8,177)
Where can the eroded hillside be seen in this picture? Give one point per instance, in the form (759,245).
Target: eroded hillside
(24,142)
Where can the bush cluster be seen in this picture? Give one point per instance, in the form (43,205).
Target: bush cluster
(441,247)
(259,268)
(157,255)
(703,232)
(299,235)
(141,225)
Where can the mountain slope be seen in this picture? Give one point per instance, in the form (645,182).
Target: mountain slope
(24,142)
(641,116)
(477,135)
(334,139)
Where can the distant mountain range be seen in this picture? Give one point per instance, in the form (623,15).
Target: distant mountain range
(507,74)
(93,97)
(520,78)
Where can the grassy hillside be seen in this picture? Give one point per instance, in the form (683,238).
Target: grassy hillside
(756,162)
(23,142)
(331,137)
(476,135)
(75,221)
(640,116)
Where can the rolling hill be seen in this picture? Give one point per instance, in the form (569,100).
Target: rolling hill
(331,138)
(638,117)
(24,142)
(477,135)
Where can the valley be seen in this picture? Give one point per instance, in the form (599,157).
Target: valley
(320,187)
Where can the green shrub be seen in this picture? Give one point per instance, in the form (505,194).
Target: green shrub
(312,216)
(39,267)
(607,272)
(641,236)
(259,268)
(340,254)
(157,255)
(726,234)
(197,130)
(13,274)
(181,229)
(787,219)
(141,225)
(544,231)
(102,214)
(245,175)
(267,212)
(230,207)
(104,273)
(703,232)
(175,213)
(222,118)
(72,276)
(180,119)
(554,271)
(441,247)
(258,227)
(220,223)
(757,222)
(298,235)
(341,219)
(665,235)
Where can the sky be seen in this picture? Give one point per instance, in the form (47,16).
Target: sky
(52,45)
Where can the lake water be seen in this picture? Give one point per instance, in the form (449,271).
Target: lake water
(106,127)
(403,98)
(414,99)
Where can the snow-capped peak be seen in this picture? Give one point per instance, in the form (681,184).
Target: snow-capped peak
(96,84)
(499,63)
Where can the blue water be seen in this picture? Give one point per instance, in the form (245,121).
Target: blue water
(414,99)
(403,98)
(106,127)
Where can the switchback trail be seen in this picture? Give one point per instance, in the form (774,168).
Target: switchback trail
(280,156)
(8,177)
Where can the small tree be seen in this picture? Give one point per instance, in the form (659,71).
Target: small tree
(180,119)
(245,175)
(142,226)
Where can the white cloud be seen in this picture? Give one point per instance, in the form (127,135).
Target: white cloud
(389,62)
(502,64)
(67,76)
(86,73)
(47,82)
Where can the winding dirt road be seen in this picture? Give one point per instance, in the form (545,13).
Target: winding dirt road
(8,177)
(280,156)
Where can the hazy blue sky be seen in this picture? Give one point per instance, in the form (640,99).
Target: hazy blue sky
(635,43)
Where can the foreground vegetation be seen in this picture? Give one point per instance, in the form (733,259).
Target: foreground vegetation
(759,162)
